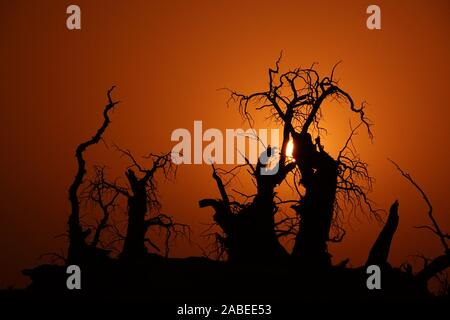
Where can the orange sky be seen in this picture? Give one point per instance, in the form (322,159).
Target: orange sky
(168,59)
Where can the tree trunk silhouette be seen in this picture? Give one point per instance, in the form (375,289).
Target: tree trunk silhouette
(380,250)
(252,235)
(78,250)
(319,177)
(134,245)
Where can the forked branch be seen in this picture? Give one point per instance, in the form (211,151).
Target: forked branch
(435,226)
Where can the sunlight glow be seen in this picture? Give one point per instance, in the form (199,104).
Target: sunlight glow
(290,150)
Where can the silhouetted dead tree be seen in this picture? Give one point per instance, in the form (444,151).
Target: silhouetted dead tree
(295,99)
(79,251)
(143,205)
(250,229)
(440,263)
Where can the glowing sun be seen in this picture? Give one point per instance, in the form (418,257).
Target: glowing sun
(290,150)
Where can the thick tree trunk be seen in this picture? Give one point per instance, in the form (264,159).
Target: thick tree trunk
(134,244)
(77,242)
(250,234)
(319,177)
(253,238)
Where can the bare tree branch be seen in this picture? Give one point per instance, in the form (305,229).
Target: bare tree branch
(435,226)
